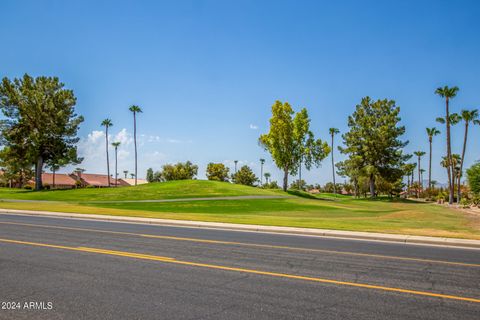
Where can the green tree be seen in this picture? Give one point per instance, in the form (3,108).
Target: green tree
(217,172)
(290,142)
(40,120)
(448,93)
(373,141)
(107,123)
(135,109)
(431,132)
(419,155)
(116,145)
(150,175)
(468,116)
(333,132)
(473,178)
(245,176)
(17,166)
(179,171)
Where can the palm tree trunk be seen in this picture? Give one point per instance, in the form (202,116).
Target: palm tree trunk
(261,174)
(459,191)
(116,172)
(451,174)
(419,185)
(108,161)
(333,171)
(135,143)
(430,166)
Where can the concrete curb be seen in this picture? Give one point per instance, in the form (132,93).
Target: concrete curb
(407,239)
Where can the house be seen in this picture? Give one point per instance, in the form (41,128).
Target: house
(97,180)
(59,181)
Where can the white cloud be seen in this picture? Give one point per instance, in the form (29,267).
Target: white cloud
(253,126)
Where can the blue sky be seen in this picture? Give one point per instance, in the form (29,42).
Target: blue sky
(207,72)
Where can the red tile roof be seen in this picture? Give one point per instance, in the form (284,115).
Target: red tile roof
(100,180)
(60,179)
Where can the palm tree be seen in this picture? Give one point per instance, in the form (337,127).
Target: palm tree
(419,155)
(235,161)
(262,161)
(467,116)
(333,132)
(448,93)
(107,123)
(267,176)
(125,172)
(431,132)
(135,109)
(115,145)
(132,175)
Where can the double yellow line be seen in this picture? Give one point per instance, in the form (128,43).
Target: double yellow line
(243,270)
(254,245)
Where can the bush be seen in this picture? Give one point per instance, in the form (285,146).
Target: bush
(465,203)
(28,187)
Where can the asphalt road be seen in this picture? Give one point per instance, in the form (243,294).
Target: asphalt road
(53,268)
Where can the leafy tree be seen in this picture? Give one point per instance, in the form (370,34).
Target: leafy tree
(135,109)
(244,176)
(116,145)
(179,171)
(468,116)
(16,165)
(150,175)
(333,132)
(107,123)
(473,178)
(431,132)
(298,185)
(217,172)
(448,93)
(40,120)
(373,141)
(419,155)
(290,141)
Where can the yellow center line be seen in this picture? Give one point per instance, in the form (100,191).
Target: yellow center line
(255,245)
(243,270)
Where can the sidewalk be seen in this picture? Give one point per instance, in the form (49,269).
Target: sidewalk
(407,239)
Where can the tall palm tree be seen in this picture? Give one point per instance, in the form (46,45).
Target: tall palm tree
(107,123)
(267,176)
(262,161)
(448,93)
(333,132)
(235,161)
(419,155)
(132,175)
(431,132)
(467,116)
(115,145)
(135,109)
(125,172)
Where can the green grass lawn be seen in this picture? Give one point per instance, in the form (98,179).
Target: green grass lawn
(299,210)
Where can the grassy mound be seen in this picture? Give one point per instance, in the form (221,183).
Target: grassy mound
(150,191)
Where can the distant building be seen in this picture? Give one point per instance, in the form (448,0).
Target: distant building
(131,182)
(97,180)
(59,181)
